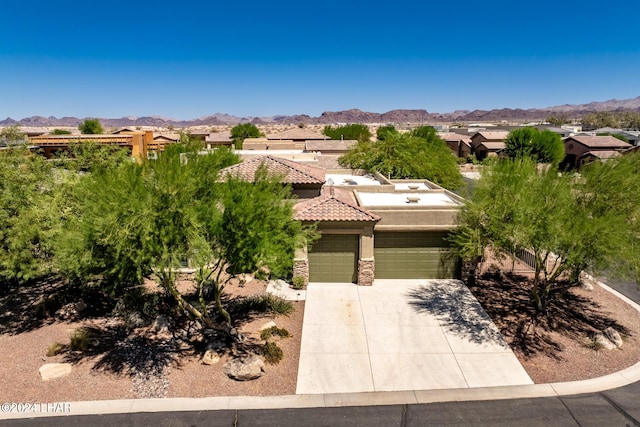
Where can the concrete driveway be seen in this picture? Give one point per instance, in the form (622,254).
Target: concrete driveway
(400,335)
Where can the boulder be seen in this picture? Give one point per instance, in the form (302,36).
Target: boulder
(604,341)
(244,368)
(161,324)
(135,320)
(268,325)
(211,357)
(50,371)
(613,336)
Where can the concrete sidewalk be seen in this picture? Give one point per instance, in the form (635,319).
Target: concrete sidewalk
(400,335)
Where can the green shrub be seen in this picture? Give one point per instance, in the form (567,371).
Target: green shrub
(298,282)
(262,274)
(272,353)
(274,331)
(263,303)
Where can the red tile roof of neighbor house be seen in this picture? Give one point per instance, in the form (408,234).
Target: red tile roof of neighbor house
(493,135)
(334,205)
(493,145)
(452,136)
(607,141)
(602,154)
(291,172)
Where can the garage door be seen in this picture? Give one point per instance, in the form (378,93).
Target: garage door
(424,255)
(334,258)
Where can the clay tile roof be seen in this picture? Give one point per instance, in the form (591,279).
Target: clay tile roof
(332,208)
(298,134)
(292,172)
(602,154)
(600,141)
(493,135)
(493,145)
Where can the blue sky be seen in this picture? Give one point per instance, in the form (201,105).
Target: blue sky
(190,59)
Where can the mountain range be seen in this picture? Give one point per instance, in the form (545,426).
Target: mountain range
(351,116)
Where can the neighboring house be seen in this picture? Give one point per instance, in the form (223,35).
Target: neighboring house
(459,144)
(219,139)
(297,135)
(125,131)
(370,227)
(305,180)
(162,140)
(330,146)
(488,143)
(488,149)
(582,149)
(137,142)
(564,133)
(267,144)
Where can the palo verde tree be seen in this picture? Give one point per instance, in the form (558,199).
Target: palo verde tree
(144,219)
(570,224)
(28,218)
(401,156)
(91,127)
(543,146)
(242,131)
(12,135)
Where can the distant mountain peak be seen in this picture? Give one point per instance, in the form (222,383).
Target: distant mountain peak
(353,115)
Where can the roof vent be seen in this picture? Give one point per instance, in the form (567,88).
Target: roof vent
(413,199)
(413,186)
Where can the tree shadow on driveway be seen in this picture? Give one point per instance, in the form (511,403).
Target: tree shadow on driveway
(456,309)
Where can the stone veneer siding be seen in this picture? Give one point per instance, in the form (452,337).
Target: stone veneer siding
(366,272)
(301,268)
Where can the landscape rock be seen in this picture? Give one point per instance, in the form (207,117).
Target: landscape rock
(67,312)
(80,307)
(587,286)
(50,371)
(244,368)
(268,325)
(613,336)
(604,341)
(211,357)
(135,320)
(161,324)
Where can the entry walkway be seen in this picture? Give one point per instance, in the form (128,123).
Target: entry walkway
(400,335)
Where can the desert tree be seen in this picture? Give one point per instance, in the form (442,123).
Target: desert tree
(27,215)
(242,131)
(12,135)
(91,127)
(401,156)
(357,132)
(569,223)
(543,146)
(139,220)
